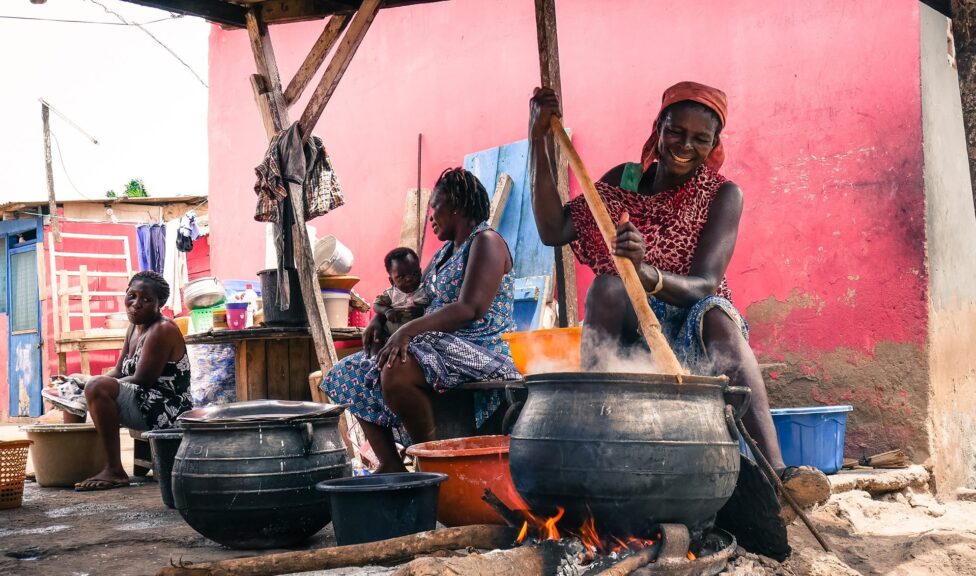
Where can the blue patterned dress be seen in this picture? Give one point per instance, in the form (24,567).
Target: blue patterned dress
(473,353)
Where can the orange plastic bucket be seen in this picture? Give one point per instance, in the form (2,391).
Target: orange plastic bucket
(471,464)
(552,350)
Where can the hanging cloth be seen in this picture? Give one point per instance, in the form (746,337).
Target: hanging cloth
(289,161)
(151,247)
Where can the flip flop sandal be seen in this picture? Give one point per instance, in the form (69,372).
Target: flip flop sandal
(807,485)
(98,485)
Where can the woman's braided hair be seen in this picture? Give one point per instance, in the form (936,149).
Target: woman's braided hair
(465,193)
(159,285)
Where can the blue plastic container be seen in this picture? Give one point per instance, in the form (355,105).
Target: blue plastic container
(812,436)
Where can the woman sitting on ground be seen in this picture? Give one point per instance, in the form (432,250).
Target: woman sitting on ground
(148,388)
(457,340)
(683,224)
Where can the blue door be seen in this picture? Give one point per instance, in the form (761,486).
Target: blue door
(24,316)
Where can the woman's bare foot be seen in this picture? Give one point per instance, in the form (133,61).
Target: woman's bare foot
(107,479)
(808,487)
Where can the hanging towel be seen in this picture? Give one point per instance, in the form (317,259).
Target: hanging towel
(174,267)
(144,246)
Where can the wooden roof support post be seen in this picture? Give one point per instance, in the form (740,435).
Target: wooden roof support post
(340,61)
(545,23)
(316,56)
(276,119)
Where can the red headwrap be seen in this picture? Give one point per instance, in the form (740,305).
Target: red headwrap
(706,95)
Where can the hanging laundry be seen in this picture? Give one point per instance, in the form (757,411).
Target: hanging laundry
(289,161)
(174,267)
(187,232)
(151,247)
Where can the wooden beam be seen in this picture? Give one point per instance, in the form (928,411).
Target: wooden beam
(316,56)
(500,199)
(219,12)
(267,67)
(337,65)
(318,322)
(545,21)
(413,229)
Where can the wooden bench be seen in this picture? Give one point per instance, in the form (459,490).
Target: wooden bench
(141,454)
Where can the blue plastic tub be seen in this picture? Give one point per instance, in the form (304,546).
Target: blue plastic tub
(812,436)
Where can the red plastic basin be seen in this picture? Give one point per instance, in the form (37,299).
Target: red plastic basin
(471,464)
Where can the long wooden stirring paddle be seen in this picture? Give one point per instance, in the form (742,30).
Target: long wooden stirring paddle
(664,358)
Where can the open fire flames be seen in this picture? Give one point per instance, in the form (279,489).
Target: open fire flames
(594,544)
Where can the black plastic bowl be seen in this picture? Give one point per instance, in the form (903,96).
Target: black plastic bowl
(165,444)
(382,506)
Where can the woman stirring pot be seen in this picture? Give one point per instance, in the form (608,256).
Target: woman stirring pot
(682,228)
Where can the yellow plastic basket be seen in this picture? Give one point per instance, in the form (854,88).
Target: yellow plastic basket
(13,469)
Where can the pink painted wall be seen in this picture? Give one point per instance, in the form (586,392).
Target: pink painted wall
(822,136)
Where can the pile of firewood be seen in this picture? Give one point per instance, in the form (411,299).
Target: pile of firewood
(890,459)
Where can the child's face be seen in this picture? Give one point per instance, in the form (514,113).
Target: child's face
(405,275)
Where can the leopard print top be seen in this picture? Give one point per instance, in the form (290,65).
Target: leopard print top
(671,222)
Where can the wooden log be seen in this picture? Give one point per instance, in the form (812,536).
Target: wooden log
(545,23)
(629,564)
(316,56)
(383,552)
(522,561)
(267,65)
(337,66)
(664,358)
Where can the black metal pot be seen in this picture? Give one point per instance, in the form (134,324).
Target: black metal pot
(633,450)
(295,315)
(245,473)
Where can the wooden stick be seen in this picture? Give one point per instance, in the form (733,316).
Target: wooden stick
(337,66)
(773,477)
(316,56)
(565,273)
(511,517)
(383,552)
(664,358)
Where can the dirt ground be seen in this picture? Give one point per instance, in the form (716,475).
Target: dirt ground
(122,532)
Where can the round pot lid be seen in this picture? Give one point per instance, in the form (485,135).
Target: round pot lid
(260,411)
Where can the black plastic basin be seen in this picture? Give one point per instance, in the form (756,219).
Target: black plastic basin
(382,506)
(165,444)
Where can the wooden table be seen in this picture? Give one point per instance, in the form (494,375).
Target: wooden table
(272,363)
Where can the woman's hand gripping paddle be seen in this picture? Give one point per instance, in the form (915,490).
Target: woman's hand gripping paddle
(664,358)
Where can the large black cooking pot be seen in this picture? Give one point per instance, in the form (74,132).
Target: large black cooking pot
(635,450)
(246,472)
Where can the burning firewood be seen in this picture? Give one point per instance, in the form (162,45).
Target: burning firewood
(383,552)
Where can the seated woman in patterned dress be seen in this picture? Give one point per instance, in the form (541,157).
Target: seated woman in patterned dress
(682,228)
(148,388)
(457,340)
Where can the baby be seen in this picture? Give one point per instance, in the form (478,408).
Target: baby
(405,299)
